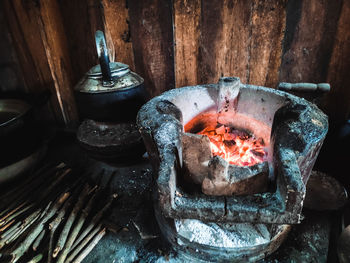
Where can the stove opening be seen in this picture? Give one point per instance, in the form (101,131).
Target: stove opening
(238,147)
(226,155)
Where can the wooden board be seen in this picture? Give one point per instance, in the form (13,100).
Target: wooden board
(267,32)
(224,41)
(309,39)
(22,21)
(152,38)
(27,40)
(117,31)
(338,106)
(195,42)
(187,16)
(81,19)
(55,44)
(234,38)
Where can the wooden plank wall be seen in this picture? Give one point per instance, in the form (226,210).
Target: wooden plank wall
(174,43)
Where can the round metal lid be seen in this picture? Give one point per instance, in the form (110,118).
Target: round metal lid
(95,84)
(117,70)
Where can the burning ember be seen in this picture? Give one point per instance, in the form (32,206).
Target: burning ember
(235,146)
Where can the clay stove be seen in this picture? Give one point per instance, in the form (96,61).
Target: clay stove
(208,200)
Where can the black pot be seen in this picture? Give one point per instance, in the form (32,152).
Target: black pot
(17,130)
(118,106)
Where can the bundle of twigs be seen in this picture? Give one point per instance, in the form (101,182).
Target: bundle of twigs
(52,216)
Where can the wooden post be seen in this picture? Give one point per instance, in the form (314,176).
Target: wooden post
(55,43)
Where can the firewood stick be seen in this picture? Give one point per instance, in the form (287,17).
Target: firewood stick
(49,253)
(25,225)
(37,241)
(25,195)
(8,224)
(63,236)
(90,246)
(92,189)
(18,213)
(75,231)
(23,247)
(10,230)
(31,217)
(36,259)
(54,225)
(5,214)
(59,179)
(94,221)
(24,188)
(83,243)
(35,177)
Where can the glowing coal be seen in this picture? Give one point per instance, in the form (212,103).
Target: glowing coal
(235,146)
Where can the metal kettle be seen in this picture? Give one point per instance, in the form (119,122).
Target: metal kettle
(109,91)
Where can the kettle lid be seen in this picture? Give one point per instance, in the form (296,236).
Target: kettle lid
(107,76)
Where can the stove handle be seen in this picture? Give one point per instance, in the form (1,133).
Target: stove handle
(304,87)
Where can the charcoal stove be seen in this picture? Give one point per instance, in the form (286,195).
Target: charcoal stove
(209,207)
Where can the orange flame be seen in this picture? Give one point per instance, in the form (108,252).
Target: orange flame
(236,147)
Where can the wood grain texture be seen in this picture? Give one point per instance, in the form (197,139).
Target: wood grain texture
(11,76)
(27,40)
(81,19)
(267,32)
(22,20)
(116,24)
(152,37)
(56,48)
(225,40)
(260,41)
(187,14)
(308,42)
(338,103)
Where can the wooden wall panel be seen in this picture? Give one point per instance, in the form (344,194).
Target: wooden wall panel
(234,38)
(55,44)
(224,42)
(267,32)
(117,31)
(22,18)
(338,103)
(152,38)
(11,77)
(81,19)
(29,47)
(187,16)
(260,41)
(311,26)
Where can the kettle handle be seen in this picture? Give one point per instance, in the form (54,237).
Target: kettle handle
(103,57)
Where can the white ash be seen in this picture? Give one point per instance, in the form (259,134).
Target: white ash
(223,235)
